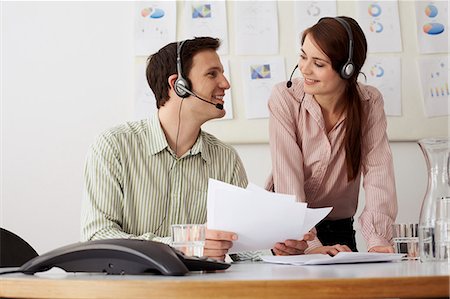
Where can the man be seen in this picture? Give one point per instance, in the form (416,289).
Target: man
(143,176)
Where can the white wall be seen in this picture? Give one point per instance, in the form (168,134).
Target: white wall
(67,74)
(65,77)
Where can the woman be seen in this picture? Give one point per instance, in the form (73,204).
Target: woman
(327,129)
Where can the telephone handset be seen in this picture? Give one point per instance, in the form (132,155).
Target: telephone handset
(121,256)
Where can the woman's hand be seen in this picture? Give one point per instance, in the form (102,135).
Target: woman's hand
(293,247)
(330,250)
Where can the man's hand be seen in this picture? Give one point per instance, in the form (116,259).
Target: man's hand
(293,247)
(218,243)
(382,249)
(330,250)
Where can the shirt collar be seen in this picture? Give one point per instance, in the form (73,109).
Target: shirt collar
(157,141)
(201,147)
(314,109)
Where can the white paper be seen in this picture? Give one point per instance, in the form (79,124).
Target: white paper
(312,216)
(213,187)
(381,24)
(207,18)
(432,26)
(385,74)
(256,27)
(433,73)
(258,220)
(340,258)
(307,13)
(259,75)
(263,192)
(155,25)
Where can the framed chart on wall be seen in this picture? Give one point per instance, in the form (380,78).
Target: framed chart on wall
(416,96)
(407,121)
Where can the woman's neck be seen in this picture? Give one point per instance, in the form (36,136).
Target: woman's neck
(333,108)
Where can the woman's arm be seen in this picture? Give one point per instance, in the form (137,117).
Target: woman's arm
(287,158)
(380,208)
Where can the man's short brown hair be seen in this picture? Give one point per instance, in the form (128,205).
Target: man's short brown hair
(163,64)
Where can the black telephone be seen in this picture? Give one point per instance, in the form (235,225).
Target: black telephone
(121,256)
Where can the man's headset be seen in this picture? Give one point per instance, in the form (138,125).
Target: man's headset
(181,86)
(348,68)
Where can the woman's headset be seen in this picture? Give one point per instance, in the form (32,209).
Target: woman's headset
(348,68)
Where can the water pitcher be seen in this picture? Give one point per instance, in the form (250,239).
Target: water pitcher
(437,157)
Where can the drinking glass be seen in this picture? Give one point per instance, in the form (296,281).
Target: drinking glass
(443,229)
(189,238)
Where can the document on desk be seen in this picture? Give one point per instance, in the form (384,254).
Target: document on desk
(340,258)
(260,218)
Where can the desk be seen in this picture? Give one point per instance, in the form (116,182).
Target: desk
(407,279)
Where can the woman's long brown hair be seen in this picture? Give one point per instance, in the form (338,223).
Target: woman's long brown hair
(333,40)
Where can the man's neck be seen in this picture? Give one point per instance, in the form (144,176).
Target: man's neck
(181,130)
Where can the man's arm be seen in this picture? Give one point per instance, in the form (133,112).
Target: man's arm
(102,208)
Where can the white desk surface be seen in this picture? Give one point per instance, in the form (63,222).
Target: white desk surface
(265,271)
(406,279)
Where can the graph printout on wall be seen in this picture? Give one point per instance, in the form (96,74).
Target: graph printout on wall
(207,18)
(432,26)
(380,22)
(385,74)
(256,24)
(155,25)
(259,76)
(307,13)
(434,79)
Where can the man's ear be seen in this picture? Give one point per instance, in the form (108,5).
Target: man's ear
(171,80)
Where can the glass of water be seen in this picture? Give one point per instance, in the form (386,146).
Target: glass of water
(189,238)
(406,240)
(443,229)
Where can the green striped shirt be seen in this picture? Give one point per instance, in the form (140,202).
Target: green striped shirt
(135,187)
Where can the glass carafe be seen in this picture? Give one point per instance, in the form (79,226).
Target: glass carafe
(437,157)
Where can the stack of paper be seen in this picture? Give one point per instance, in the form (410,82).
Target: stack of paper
(340,258)
(259,218)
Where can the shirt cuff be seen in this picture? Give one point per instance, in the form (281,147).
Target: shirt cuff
(250,255)
(313,245)
(377,241)
(165,240)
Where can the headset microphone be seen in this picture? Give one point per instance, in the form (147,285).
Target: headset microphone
(289,83)
(182,86)
(218,106)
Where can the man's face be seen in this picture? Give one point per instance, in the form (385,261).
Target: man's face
(209,83)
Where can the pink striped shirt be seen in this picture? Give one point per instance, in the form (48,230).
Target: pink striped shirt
(310,163)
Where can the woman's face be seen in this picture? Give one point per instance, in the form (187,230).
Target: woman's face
(320,77)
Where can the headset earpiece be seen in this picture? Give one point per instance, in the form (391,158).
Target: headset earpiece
(348,68)
(181,84)
(180,87)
